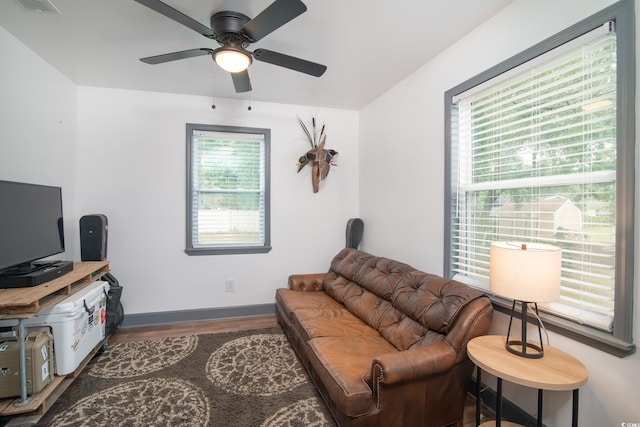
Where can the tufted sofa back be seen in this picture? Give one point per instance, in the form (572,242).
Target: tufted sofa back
(406,306)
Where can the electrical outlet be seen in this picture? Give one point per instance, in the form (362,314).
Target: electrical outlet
(230,285)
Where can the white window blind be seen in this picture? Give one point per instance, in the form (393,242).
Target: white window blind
(534,159)
(227,189)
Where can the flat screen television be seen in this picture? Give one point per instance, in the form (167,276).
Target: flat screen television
(30,226)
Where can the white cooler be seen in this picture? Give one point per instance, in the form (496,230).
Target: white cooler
(77,324)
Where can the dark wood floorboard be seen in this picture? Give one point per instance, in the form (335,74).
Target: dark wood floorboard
(192,328)
(227,325)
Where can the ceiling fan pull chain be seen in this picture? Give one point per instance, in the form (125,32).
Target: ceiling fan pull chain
(213,106)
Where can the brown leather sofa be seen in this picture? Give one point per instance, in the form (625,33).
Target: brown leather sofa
(384,343)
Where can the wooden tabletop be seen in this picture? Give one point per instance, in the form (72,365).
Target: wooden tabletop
(556,370)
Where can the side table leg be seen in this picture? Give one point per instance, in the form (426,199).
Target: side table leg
(574,417)
(539,408)
(478,400)
(499,404)
(24,399)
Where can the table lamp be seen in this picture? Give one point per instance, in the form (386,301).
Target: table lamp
(528,273)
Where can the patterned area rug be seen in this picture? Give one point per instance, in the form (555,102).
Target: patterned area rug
(239,379)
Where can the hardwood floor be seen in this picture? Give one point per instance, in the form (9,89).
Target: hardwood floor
(192,328)
(227,325)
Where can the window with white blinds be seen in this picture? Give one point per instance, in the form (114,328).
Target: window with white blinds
(228,192)
(534,155)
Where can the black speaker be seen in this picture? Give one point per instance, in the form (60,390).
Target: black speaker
(355,229)
(93,237)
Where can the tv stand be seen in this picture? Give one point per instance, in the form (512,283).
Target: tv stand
(34,274)
(22,303)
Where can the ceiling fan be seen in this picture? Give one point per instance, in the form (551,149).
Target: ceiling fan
(234,32)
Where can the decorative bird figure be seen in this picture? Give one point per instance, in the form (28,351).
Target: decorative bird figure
(325,166)
(321,159)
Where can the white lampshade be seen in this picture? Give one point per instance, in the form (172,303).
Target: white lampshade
(232,60)
(525,271)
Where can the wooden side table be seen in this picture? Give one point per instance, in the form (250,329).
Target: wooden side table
(556,371)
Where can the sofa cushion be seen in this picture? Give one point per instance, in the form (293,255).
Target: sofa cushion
(432,300)
(291,301)
(343,366)
(382,274)
(314,323)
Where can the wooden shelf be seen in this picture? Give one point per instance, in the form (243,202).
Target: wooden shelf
(37,405)
(18,303)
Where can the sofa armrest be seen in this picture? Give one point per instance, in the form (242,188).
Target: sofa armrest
(408,365)
(306,282)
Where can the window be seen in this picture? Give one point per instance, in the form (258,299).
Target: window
(540,149)
(227,190)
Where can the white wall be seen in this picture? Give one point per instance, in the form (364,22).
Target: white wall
(38,127)
(131,167)
(122,153)
(402,176)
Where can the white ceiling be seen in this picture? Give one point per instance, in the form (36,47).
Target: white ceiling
(367,45)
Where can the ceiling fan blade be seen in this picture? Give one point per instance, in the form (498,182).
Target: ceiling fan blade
(177,16)
(289,62)
(273,17)
(241,81)
(173,56)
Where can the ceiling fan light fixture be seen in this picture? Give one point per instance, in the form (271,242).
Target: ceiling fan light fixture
(232,60)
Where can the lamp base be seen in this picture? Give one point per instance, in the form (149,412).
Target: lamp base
(520,347)
(517,348)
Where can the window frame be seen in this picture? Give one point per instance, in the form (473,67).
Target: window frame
(620,341)
(229,249)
